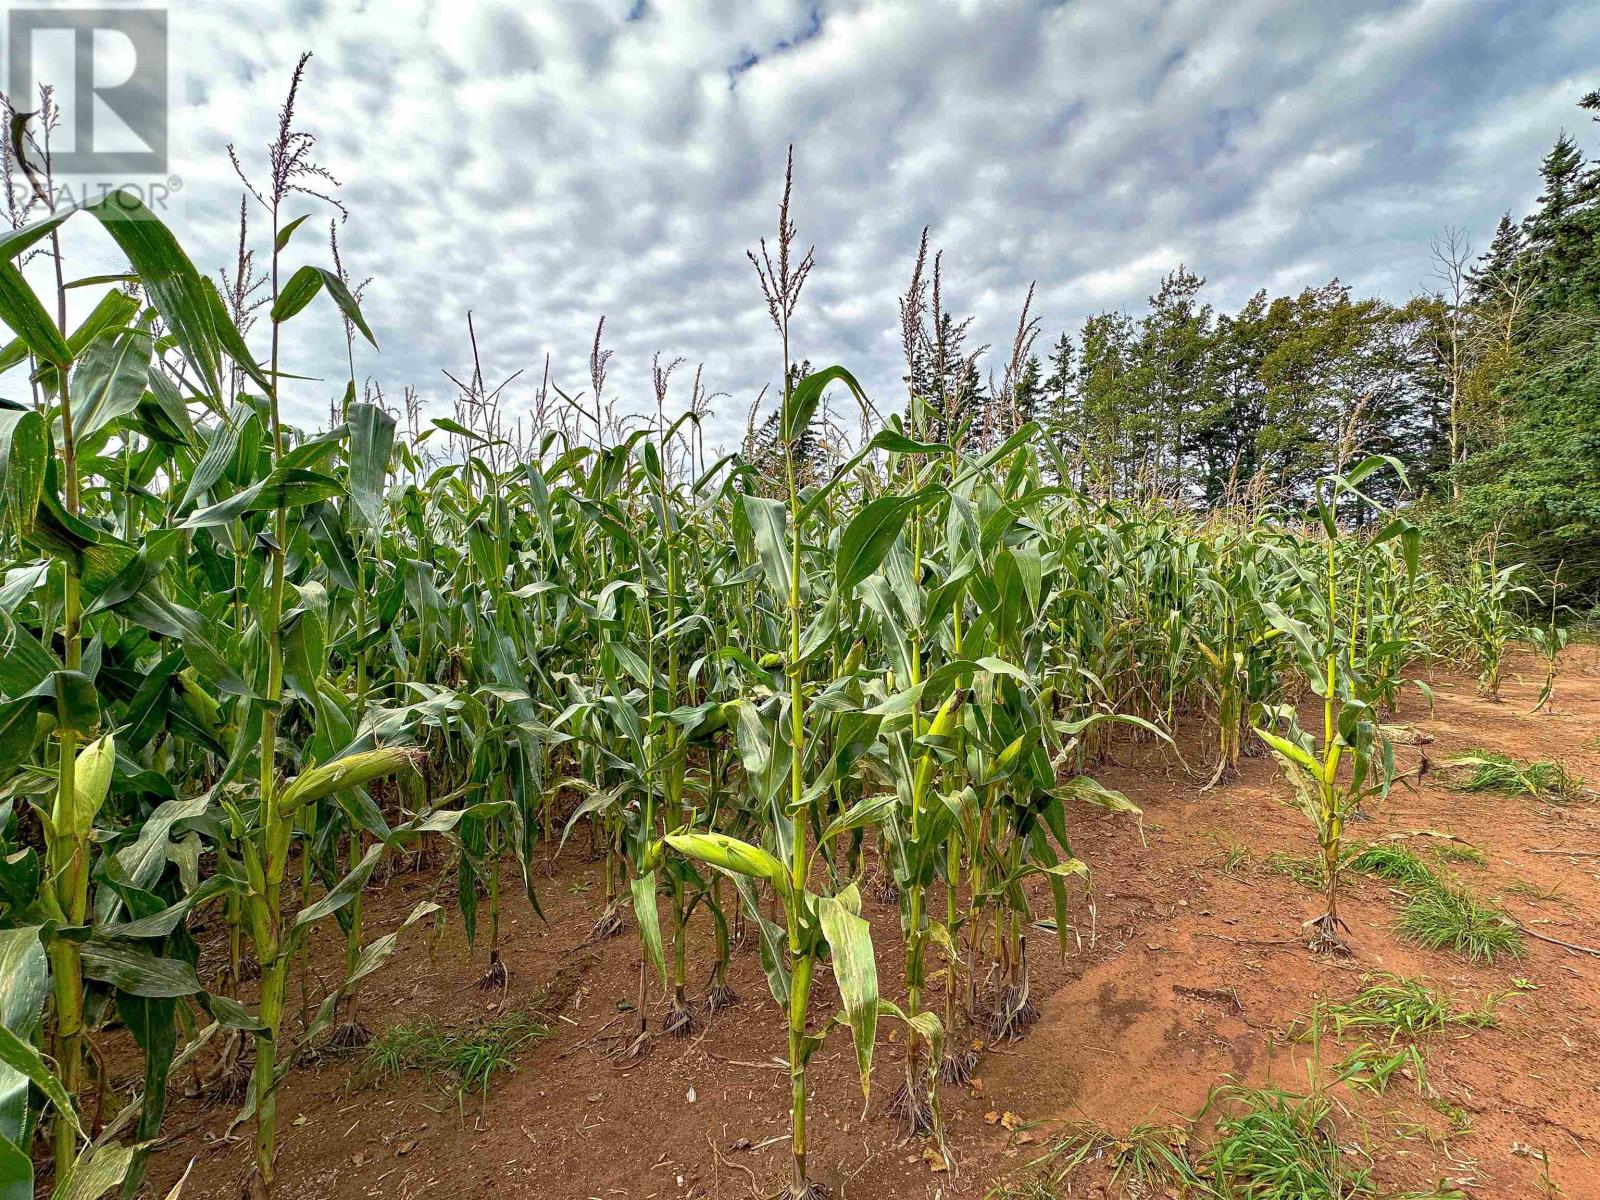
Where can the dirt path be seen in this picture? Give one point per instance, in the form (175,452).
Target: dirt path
(1187,971)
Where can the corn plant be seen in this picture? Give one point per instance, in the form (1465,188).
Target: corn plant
(244,662)
(1550,639)
(1352,759)
(1485,608)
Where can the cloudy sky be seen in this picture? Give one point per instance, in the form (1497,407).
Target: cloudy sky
(543,162)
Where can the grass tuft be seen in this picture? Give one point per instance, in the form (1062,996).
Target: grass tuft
(1235,860)
(1488,771)
(1399,1007)
(1371,1067)
(1534,891)
(1450,918)
(1272,1145)
(1304,869)
(1148,1160)
(1459,852)
(1394,863)
(1441,915)
(466,1057)
(1400,1010)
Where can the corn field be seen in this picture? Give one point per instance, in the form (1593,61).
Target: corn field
(245,664)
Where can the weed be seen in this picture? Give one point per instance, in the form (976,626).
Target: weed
(1394,863)
(467,1057)
(1404,1011)
(1533,891)
(1304,869)
(1441,915)
(1460,1119)
(1400,1007)
(1235,860)
(1371,1067)
(1273,1145)
(1459,852)
(1147,1159)
(1546,779)
(1445,917)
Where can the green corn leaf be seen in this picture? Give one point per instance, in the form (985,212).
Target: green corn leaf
(25,1060)
(800,405)
(643,888)
(300,290)
(855,969)
(867,538)
(24,449)
(109,379)
(348,305)
(25,316)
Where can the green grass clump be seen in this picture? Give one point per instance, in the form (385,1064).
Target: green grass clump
(1371,1067)
(1402,1011)
(1144,1161)
(1534,891)
(1450,918)
(1487,771)
(1031,1187)
(1272,1145)
(1459,852)
(1235,860)
(1441,915)
(1399,1007)
(1267,1145)
(1394,863)
(1304,869)
(467,1057)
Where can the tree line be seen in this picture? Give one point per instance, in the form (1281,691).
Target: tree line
(1486,386)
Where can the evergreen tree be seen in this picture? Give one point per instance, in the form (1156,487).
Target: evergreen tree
(1030,401)
(1563,232)
(1062,413)
(1499,264)
(1535,486)
(764,450)
(1223,435)
(1107,392)
(1174,341)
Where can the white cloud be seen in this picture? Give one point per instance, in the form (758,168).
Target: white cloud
(542,163)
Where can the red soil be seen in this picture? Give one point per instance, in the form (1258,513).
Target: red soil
(1182,976)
